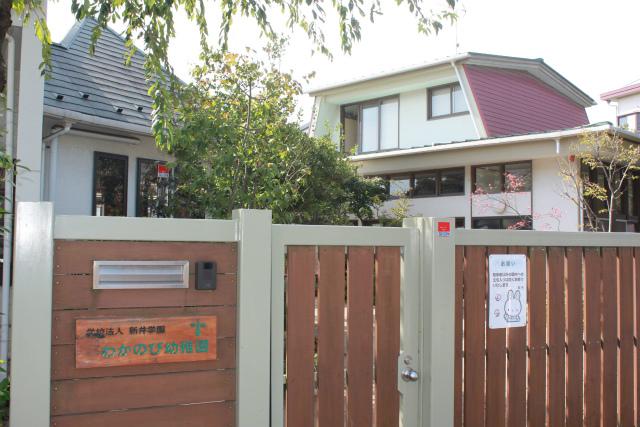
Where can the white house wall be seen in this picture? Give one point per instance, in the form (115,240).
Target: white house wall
(629,104)
(414,128)
(74,183)
(548,201)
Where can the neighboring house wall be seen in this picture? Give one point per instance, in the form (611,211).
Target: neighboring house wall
(74,182)
(628,104)
(514,102)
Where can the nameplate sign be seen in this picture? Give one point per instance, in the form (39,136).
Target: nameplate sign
(141,341)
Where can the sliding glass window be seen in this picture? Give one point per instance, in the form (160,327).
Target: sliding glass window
(371,126)
(110,184)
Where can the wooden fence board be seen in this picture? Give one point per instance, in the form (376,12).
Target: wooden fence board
(593,334)
(360,272)
(574,337)
(637,324)
(76,292)
(626,337)
(537,405)
(475,272)
(300,335)
(556,337)
(76,257)
(496,365)
(458,351)
(63,364)
(610,337)
(217,414)
(141,391)
(387,336)
(517,370)
(64,329)
(331,297)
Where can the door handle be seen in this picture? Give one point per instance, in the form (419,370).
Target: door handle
(409,375)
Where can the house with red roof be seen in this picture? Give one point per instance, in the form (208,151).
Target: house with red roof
(454,135)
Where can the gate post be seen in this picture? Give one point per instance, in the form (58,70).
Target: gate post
(31,316)
(253,365)
(438,319)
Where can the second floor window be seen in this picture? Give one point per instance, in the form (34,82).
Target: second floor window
(371,126)
(628,121)
(444,101)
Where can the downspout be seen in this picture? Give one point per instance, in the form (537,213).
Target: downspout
(7,255)
(53,159)
(467,100)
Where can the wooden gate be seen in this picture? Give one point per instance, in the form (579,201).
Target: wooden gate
(575,363)
(167,394)
(342,336)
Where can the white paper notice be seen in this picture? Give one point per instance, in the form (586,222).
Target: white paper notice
(507,291)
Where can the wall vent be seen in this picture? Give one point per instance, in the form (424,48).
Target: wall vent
(140,274)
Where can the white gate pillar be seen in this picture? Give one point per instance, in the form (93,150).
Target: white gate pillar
(438,319)
(253,363)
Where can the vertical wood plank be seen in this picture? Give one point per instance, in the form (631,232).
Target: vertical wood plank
(360,269)
(610,337)
(387,336)
(517,369)
(475,273)
(331,297)
(556,338)
(496,365)
(574,337)
(593,331)
(300,335)
(626,337)
(637,324)
(457,368)
(537,405)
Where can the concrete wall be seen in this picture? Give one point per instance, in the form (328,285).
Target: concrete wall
(74,182)
(551,210)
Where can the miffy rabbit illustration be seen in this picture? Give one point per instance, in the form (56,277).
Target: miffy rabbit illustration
(512,307)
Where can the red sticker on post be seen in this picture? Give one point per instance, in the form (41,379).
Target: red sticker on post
(444,229)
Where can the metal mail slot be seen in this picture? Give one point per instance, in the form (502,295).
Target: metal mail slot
(140,274)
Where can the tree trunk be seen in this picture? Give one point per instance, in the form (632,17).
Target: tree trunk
(5,24)
(611,207)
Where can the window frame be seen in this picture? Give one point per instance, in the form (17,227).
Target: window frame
(96,155)
(139,160)
(637,116)
(364,104)
(430,90)
(412,181)
(502,175)
(529,218)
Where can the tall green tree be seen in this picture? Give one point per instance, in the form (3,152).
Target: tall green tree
(238,147)
(152,22)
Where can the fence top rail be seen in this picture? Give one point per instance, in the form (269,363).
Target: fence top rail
(544,238)
(339,235)
(72,227)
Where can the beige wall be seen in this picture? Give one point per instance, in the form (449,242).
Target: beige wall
(74,182)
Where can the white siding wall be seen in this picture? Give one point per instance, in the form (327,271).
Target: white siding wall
(74,189)
(417,131)
(547,198)
(629,104)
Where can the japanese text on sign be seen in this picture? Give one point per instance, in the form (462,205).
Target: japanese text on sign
(507,291)
(119,342)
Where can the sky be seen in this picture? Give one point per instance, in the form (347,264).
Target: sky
(590,42)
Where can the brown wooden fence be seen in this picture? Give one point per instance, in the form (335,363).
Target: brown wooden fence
(159,395)
(342,336)
(575,363)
